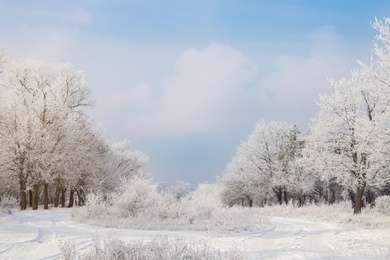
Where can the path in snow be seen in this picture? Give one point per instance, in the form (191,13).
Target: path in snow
(36,235)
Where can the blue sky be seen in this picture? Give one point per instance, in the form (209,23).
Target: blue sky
(185,81)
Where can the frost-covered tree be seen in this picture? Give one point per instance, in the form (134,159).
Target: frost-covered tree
(39,105)
(47,139)
(129,163)
(262,163)
(350,135)
(85,163)
(9,183)
(242,183)
(3,59)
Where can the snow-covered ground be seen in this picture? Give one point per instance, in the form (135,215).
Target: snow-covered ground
(37,235)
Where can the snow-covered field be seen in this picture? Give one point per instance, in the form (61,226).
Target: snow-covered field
(38,235)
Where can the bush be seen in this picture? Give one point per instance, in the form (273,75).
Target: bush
(68,250)
(204,201)
(7,203)
(170,208)
(135,196)
(95,208)
(138,205)
(161,248)
(382,204)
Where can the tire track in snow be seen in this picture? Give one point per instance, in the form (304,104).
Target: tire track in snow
(42,228)
(36,235)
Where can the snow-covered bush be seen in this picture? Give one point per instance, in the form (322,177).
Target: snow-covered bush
(204,201)
(135,196)
(68,250)
(137,204)
(110,248)
(205,211)
(95,208)
(7,203)
(177,191)
(170,208)
(173,200)
(161,248)
(132,204)
(234,253)
(382,204)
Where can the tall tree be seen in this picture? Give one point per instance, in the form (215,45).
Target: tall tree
(350,135)
(263,162)
(38,104)
(127,162)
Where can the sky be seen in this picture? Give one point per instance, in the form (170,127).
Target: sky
(186,81)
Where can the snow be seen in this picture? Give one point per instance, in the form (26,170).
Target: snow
(38,234)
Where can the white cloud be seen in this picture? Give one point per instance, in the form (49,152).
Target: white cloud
(216,89)
(200,96)
(206,91)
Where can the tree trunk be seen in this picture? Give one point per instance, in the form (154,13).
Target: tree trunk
(57,195)
(352,197)
(63,199)
(250,202)
(81,196)
(34,197)
(45,196)
(332,196)
(357,209)
(30,201)
(285,195)
(370,197)
(71,198)
(278,192)
(247,201)
(23,195)
(301,198)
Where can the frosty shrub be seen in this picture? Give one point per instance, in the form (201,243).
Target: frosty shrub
(204,201)
(382,204)
(7,203)
(170,208)
(177,191)
(68,250)
(160,248)
(173,200)
(95,208)
(138,205)
(110,248)
(135,196)
(205,211)
(234,253)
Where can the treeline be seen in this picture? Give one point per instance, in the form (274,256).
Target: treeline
(274,166)
(51,152)
(344,154)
